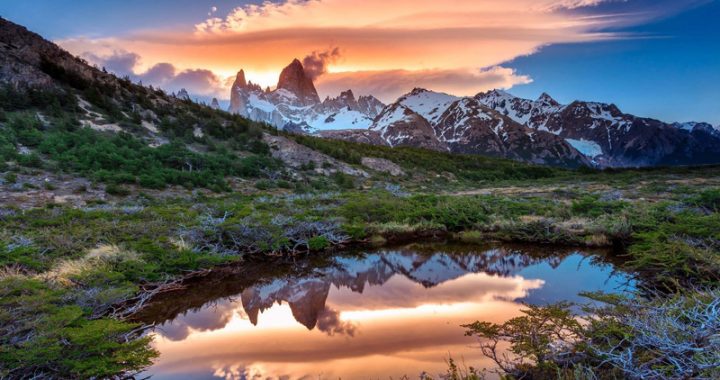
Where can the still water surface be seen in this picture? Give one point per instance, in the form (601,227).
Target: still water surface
(377,315)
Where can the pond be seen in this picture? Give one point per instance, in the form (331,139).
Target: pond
(381,314)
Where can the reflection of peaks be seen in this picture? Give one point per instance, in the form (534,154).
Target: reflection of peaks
(353,273)
(441,267)
(307,296)
(429,271)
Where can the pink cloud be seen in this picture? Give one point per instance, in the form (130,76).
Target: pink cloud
(387,85)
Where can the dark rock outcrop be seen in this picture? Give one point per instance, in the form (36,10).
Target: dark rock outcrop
(294,79)
(28,60)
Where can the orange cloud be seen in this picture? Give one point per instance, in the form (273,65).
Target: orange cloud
(412,38)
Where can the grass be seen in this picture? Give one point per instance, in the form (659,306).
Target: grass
(55,267)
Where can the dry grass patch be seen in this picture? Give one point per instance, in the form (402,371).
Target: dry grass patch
(63,272)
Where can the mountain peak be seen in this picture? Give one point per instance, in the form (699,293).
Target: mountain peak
(499,92)
(347,95)
(417,90)
(240,79)
(495,94)
(294,79)
(546,98)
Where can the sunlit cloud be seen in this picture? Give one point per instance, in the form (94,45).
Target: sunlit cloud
(316,63)
(390,84)
(346,43)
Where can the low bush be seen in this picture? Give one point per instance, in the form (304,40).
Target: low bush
(623,337)
(592,207)
(45,335)
(115,189)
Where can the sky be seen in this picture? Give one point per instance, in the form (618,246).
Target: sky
(653,58)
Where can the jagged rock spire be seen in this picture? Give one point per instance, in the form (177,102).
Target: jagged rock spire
(294,79)
(240,79)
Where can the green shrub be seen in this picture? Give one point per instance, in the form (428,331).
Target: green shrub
(114,189)
(283,184)
(32,160)
(264,184)
(318,243)
(59,339)
(308,166)
(593,207)
(152,181)
(709,199)
(343,180)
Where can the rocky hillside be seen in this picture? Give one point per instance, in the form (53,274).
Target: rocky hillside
(27,59)
(72,124)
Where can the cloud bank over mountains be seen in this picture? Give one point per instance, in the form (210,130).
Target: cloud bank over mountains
(385,48)
(200,82)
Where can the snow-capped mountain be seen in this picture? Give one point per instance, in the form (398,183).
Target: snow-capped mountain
(429,104)
(497,123)
(295,105)
(493,123)
(399,125)
(609,137)
(695,126)
(438,121)
(469,127)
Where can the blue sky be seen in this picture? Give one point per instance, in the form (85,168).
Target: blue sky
(666,66)
(672,74)
(56,19)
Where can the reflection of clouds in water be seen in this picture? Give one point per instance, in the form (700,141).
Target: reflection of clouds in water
(395,279)
(409,306)
(402,292)
(208,318)
(329,322)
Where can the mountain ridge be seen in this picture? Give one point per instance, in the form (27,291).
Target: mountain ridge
(493,123)
(295,106)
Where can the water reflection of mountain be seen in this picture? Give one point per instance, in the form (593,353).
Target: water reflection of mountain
(307,295)
(305,285)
